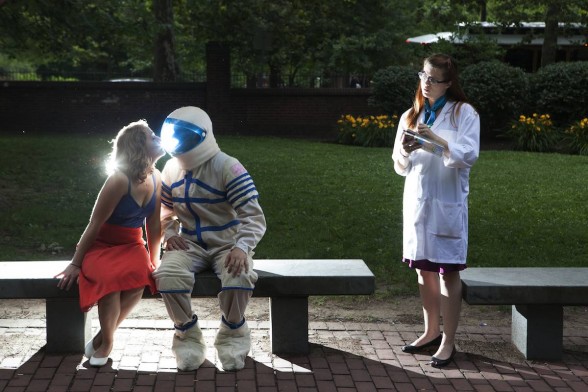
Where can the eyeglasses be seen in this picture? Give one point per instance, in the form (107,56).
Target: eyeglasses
(423,76)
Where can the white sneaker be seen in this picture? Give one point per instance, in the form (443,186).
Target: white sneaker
(189,348)
(232,346)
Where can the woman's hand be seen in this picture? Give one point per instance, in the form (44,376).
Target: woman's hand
(70,274)
(425,131)
(409,144)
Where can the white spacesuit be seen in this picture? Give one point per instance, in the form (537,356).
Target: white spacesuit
(210,213)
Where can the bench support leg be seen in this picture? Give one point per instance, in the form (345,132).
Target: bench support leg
(537,330)
(68,328)
(289,325)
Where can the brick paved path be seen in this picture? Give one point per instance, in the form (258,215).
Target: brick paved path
(344,357)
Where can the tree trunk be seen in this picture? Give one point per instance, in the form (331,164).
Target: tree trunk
(549,49)
(165,66)
(483,10)
(275,79)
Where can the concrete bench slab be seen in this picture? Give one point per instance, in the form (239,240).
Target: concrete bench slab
(537,296)
(287,282)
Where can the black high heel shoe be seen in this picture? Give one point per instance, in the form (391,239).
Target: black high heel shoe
(439,363)
(409,348)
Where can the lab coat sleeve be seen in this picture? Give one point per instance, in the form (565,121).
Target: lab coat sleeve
(464,151)
(401,163)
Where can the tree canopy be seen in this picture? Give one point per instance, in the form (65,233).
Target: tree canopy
(283,39)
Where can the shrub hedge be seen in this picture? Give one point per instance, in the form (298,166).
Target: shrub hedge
(393,89)
(498,91)
(561,89)
(504,95)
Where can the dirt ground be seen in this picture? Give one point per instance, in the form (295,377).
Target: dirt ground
(406,310)
(402,312)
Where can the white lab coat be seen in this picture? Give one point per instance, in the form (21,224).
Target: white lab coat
(435,201)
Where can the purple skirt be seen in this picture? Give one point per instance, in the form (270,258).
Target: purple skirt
(426,265)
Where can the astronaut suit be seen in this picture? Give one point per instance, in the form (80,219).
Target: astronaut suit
(210,201)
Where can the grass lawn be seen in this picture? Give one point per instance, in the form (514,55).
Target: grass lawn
(321,201)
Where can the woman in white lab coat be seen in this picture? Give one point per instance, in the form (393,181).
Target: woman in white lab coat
(435,209)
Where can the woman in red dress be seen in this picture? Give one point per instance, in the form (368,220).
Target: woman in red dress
(111,263)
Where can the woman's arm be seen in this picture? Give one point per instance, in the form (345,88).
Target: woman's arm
(112,191)
(464,151)
(400,156)
(153,225)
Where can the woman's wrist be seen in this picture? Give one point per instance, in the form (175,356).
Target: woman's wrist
(75,265)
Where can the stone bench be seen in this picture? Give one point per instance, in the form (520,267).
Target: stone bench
(287,283)
(537,296)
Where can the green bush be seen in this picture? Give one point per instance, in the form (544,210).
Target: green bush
(534,133)
(394,88)
(498,91)
(561,89)
(576,137)
(369,131)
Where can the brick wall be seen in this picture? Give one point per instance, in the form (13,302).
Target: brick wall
(295,112)
(90,107)
(96,107)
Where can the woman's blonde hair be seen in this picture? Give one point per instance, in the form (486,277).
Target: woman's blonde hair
(129,153)
(448,67)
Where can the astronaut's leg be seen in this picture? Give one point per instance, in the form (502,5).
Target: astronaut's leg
(188,346)
(175,279)
(233,340)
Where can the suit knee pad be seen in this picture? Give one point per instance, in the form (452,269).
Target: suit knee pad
(173,275)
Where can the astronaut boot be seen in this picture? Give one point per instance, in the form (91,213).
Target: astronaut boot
(189,347)
(233,345)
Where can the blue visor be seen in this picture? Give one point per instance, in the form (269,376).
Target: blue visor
(179,136)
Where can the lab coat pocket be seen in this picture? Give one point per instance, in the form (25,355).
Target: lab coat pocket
(447,219)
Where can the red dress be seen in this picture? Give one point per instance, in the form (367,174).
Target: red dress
(118,260)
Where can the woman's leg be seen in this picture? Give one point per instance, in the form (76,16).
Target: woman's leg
(451,309)
(108,314)
(128,300)
(429,291)
(112,311)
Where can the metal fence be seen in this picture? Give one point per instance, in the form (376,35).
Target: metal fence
(238,79)
(262,80)
(28,75)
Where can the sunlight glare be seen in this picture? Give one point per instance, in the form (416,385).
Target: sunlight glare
(168,141)
(110,166)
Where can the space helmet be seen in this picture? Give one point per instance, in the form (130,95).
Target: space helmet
(186,134)
(184,129)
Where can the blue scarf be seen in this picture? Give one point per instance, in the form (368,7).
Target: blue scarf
(430,112)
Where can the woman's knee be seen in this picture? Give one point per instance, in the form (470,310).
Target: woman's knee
(138,292)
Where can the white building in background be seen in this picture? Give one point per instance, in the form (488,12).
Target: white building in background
(523,41)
